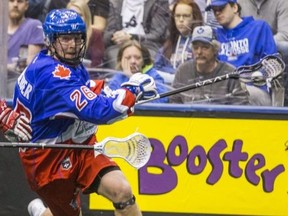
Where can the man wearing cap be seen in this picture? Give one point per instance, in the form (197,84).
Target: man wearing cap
(275,13)
(205,66)
(244,40)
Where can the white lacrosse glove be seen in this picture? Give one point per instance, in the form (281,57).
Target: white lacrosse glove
(142,86)
(15,126)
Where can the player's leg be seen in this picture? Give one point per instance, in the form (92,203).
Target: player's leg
(61,197)
(115,187)
(100,174)
(37,208)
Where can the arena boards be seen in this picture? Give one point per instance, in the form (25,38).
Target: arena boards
(211,162)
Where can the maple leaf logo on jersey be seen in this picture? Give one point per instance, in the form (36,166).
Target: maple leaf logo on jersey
(62,72)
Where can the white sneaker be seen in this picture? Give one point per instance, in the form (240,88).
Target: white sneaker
(36,207)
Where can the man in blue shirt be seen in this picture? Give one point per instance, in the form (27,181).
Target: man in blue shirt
(244,41)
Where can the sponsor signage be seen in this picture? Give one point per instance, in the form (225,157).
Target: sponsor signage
(207,165)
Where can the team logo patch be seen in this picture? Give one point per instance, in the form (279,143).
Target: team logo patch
(66,164)
(62,72)
(200,30)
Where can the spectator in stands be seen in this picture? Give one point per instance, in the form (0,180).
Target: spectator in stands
(186,15)
(25,40)
(244,41)
(208,16)
(275,13)
(99,10)
(143,20)
(38,9)
(134,57)
(94,43)
(205,66)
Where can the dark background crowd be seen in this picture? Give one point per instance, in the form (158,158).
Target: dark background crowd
(243,33)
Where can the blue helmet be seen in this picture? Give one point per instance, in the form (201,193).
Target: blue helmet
(63,21)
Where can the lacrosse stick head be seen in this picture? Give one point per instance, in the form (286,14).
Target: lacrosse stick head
(268,68)
(135,149)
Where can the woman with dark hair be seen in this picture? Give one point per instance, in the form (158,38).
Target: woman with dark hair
(132,58)
(185,16)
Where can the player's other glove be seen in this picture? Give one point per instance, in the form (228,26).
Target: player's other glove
(15,126)
(142,86)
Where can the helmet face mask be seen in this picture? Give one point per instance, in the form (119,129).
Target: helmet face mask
(65,29)
(69,48)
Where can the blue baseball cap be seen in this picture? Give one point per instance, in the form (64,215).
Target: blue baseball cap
(217,3)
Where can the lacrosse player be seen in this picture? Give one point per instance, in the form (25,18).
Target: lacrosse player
(65,106)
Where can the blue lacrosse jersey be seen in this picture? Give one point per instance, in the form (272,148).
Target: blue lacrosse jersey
(247,43)
(57,99)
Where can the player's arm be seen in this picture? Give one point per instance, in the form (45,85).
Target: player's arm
(15,126)
(99,105)
(97,86)
(110,106)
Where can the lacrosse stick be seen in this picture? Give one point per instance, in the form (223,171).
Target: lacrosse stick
(135,148)
(267,69)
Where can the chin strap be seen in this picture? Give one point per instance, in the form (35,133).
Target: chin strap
(123,205)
